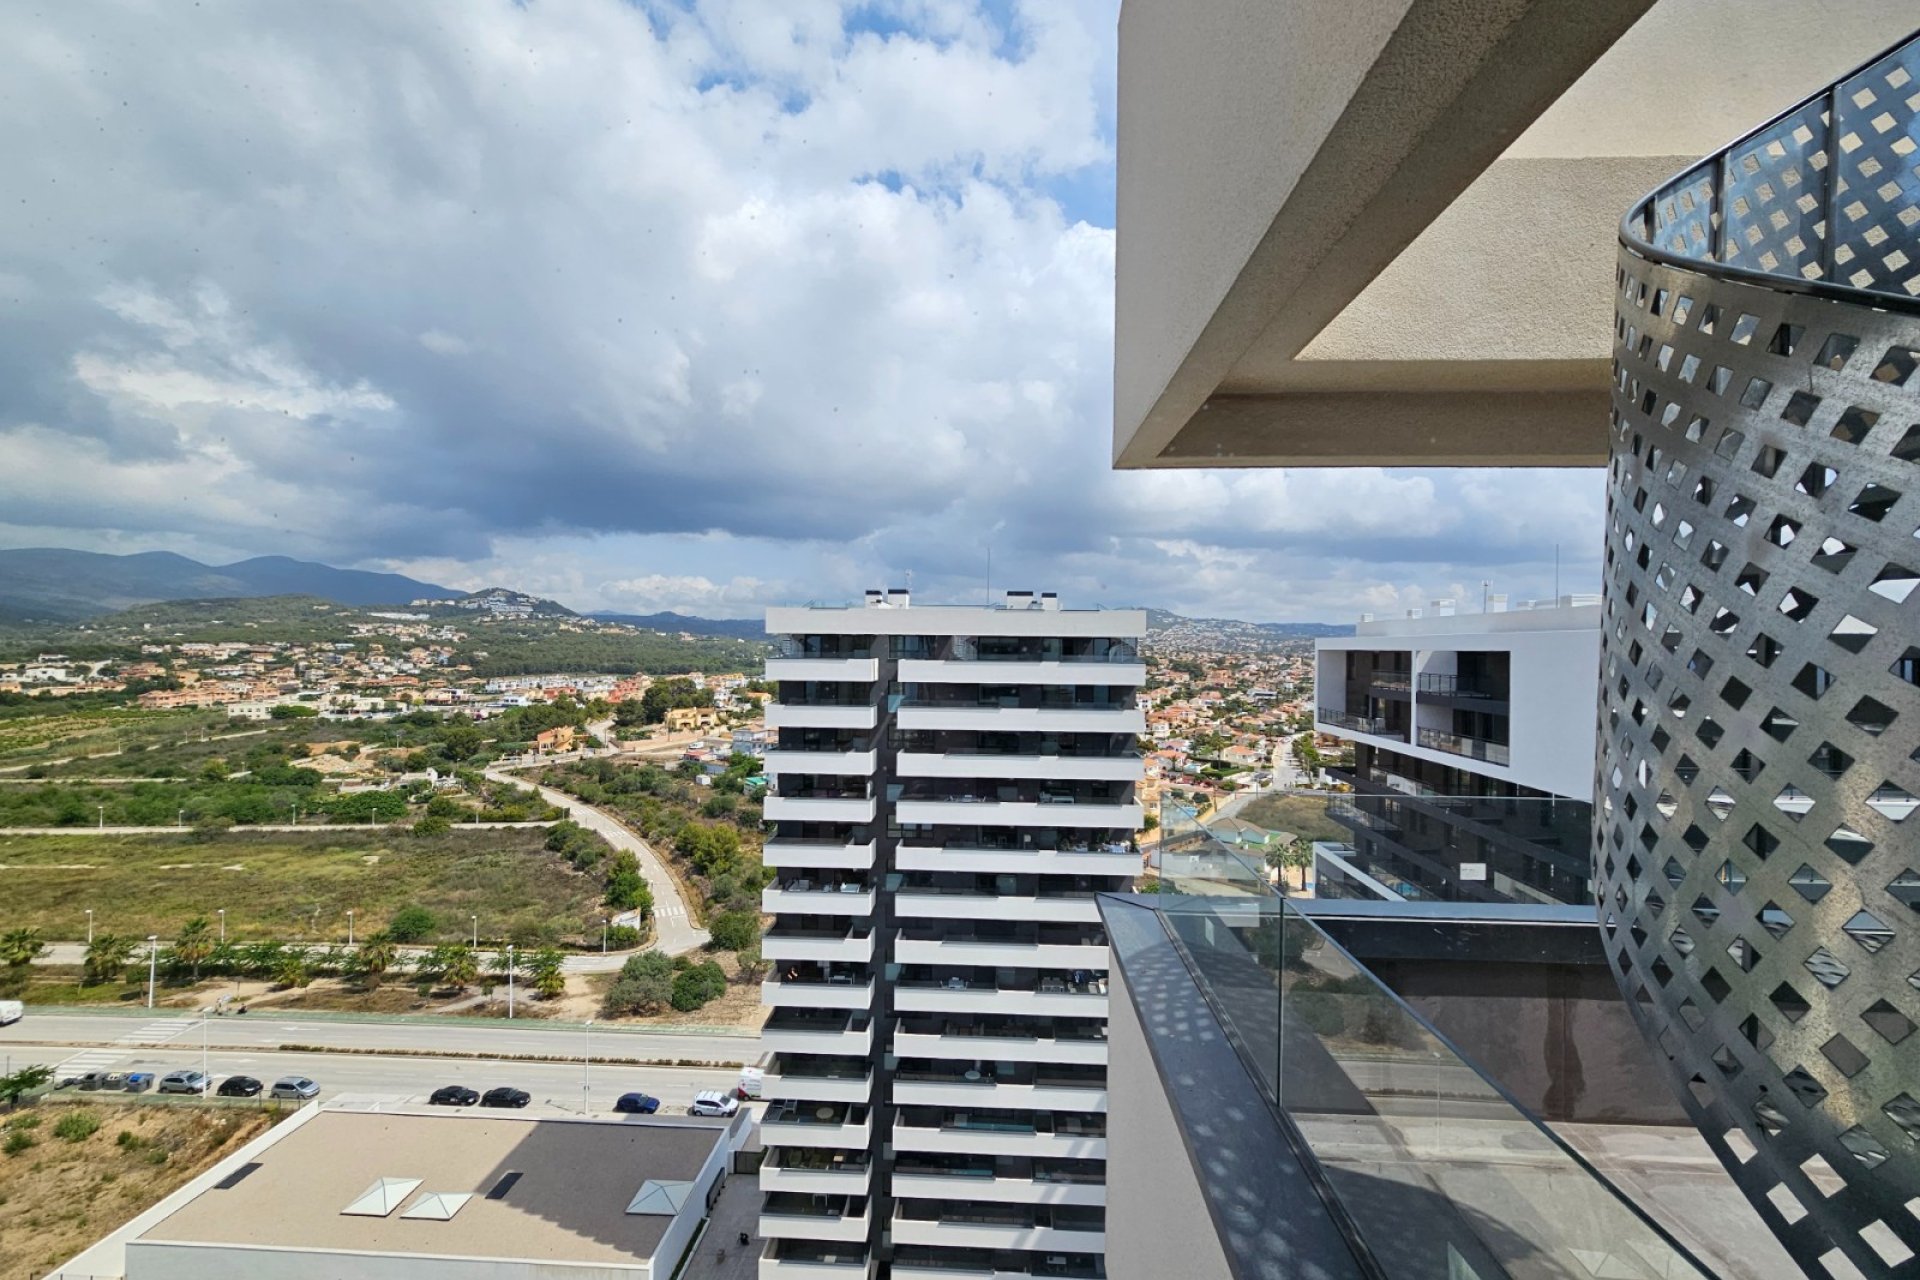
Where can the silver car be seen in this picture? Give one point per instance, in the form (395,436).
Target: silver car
(296,1087)
(183,1082)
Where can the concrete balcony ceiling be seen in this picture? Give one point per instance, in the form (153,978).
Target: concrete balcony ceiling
(1381,234)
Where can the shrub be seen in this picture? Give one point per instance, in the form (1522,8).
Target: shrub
(734,930)
(623,937)
(697,985)
(645,985)
(76,1126)
(411,924)
(432,825)
(18,1140)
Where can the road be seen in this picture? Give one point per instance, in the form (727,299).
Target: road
(675,932)
(416,1056)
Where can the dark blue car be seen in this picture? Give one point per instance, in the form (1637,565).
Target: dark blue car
(639,1104)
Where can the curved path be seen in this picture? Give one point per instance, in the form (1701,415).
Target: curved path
(674,930)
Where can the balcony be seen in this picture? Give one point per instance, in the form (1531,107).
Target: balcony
(980,762)
(917,898)
(1107,858)
(1000,1133)
(813,1260)
(840,1125)
(803,895)
(817,1172)
(1003,1086)
(1372,726)
(1022,714)
(849,670)
(837,991)
(1468,689)
(1395,685)
(972,810)
(1049,996)
(852,761)
(822,853)
(957,1038)
(1023,669)
(841,1032)
(794,1215)
(927,1262)
(798,801)
(922,1175)
(1455,744)
(823,715)
(1068,1229)
(1017,947)
(841,943)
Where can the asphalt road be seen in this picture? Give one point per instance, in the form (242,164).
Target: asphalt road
(673,926)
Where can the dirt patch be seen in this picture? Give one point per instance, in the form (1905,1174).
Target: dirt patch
(57,1196)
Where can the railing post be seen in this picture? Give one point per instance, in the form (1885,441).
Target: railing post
(1832,176)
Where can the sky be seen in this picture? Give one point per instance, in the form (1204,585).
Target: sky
(640,305)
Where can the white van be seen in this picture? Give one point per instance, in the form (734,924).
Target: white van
(751,1080)
(11,1011)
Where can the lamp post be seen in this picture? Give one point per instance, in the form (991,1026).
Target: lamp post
(223,924)
(180,820)
(509,979)
(153,959)
(103,816)
(603,935)
(586,1066)
(349,928)
(476,931)
(89,926)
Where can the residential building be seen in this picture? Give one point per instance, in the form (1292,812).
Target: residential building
(1472,769)
(1513,234)
(952,787)
(691,719)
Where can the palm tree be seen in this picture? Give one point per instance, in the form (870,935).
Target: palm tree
(290,969)
(260,959)
(195,944)
(107,955)
(545,967)
(456,964)
(374,958)
(20,947)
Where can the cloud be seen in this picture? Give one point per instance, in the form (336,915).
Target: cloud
(638,305)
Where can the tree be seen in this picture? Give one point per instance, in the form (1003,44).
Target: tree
(697,985)
(546,970)
(195,944)
(626,891)
(23,1082)
(734,930)
(1294,855)
(374,958)
(752,963)
(456,964)
(20,947)
(293,711)
(293,968)
(411,924)
(645,986)
(107,957)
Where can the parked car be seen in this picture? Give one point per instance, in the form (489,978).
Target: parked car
(712,1102)
(139,1081)
(637,1104)
(454,1095)
(239,1087)
(505,1096)
(11,1011)
(296,1087)
(183,1082)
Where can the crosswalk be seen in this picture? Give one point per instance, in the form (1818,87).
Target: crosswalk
(148,1035)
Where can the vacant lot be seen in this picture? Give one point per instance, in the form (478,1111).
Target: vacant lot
(1303,816)
(58,1196)
(297,887)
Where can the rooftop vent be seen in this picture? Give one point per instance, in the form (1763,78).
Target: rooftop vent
(1019,600)
(875,597)
(382,1198)
(235,1178)
(660,1196)
(899,597)
(505,1185)
(437,1206)
(1050,600)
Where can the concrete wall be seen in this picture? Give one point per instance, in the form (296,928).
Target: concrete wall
(1150,1176)
(169,1260)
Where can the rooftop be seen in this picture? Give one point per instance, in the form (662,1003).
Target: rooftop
(568,1205)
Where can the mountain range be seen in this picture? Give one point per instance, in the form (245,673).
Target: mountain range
(53,584)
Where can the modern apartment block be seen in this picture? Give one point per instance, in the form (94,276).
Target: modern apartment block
(1471,770)
(952,788)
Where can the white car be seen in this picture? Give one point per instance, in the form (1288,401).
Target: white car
(712,1102)
(295,1087)
(11,1011)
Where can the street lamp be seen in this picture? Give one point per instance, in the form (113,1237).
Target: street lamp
(603,936)
(180,820)
(223,924)
(476,930)
(153,958)
(586,1066)
(103,816)
(89,926)
(509,979)
(349,928)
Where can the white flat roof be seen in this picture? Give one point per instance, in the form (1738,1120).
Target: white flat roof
(954,620)
(1460,631)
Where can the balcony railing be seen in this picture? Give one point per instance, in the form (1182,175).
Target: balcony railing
(1456,686)
(1359,724)
(1458,744)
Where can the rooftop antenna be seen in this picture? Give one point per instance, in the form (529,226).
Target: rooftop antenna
(1556,573)
(1485,587)
(989,573)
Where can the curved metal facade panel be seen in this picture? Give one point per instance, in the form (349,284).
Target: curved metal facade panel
(1757,849)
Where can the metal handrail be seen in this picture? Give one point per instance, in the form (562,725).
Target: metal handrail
(1636,226)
